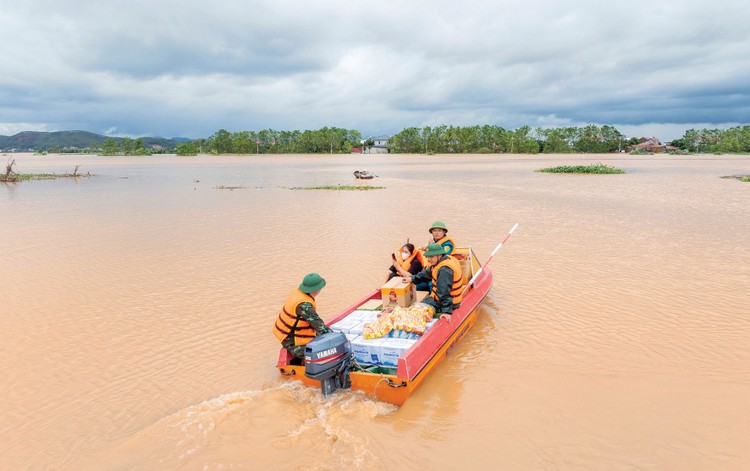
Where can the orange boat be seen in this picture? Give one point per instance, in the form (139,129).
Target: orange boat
(395,385)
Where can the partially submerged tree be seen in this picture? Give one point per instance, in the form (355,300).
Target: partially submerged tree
(9,169)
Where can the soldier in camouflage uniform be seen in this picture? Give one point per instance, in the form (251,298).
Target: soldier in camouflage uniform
(298,322)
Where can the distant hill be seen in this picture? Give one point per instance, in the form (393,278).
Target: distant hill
(32,141)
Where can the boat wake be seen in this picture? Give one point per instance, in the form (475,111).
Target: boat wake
(284,423)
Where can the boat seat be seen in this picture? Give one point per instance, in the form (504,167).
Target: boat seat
(464,256)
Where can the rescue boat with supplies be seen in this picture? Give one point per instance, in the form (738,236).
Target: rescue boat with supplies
(330,364)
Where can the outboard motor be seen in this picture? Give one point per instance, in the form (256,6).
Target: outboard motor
(328,358)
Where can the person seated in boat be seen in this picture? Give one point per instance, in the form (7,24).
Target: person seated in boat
(439,234)
(408,262)
(298,322)
(444,272)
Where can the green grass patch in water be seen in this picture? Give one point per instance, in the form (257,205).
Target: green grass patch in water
(24,177)
(339,187)
(742,178)
(596,168)
(36,176)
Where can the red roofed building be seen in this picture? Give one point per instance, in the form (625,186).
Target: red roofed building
(651,144)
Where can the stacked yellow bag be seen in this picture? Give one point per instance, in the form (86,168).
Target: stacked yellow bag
(379,327)
(413,319)
(404,322)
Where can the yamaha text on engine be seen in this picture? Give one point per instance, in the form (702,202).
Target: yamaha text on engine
(328,358)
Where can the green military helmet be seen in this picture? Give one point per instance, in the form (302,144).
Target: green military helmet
(312,283)
(438,225)
(434,249)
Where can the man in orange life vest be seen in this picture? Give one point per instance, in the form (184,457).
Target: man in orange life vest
(447,281)
(298,322)
(439,234)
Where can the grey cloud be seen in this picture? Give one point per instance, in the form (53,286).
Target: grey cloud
(193,67)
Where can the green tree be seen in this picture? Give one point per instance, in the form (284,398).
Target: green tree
(595,139)
(289,142)
(520,141)
(426,134)
(221,142)
(733,140)
(554,140)
(690,140)
(467,139)
(492,138)
(336,140)
(187,148)
(408,141)
(709,140)
(109,147)
(241,143)
(139,148)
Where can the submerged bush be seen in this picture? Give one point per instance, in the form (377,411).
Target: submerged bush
(639,152)
(339,187)
(596,168)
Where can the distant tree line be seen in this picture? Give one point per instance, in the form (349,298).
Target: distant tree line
(461,139)
(584,139)
(321,141)
(722,141)
(420,140)
(124,146)
(495,139)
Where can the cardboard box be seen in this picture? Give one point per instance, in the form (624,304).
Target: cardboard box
(396,291)
(371,305)
(364,316)
(421,295)
(347,326)
(360,350)
(366,351)
(392,349)
(357,326)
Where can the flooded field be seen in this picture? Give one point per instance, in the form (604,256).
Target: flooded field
(137,305)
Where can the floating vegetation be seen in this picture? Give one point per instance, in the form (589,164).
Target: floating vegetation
(339,187)
(639,152)
(596,168)
(742,178)
(224,187)
(10,176)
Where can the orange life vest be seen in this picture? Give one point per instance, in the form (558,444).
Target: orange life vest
(420,257)
(406,264)
(288,322)
(457,286)
(444,240)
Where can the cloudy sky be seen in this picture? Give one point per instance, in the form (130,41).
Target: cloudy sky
(188,68)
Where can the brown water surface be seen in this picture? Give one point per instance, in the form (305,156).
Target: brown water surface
(137,305)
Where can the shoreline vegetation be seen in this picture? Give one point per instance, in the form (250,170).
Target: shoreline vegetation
(598,168)
(426,140)
(339,187)
(11,176)
(230,188)
(742,178)
(486,139)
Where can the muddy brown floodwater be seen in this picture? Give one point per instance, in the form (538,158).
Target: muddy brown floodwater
(137,305)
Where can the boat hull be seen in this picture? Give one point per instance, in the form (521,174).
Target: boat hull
(416,364)
(390,388)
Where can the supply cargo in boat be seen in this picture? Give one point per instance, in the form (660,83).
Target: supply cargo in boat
(391,364)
